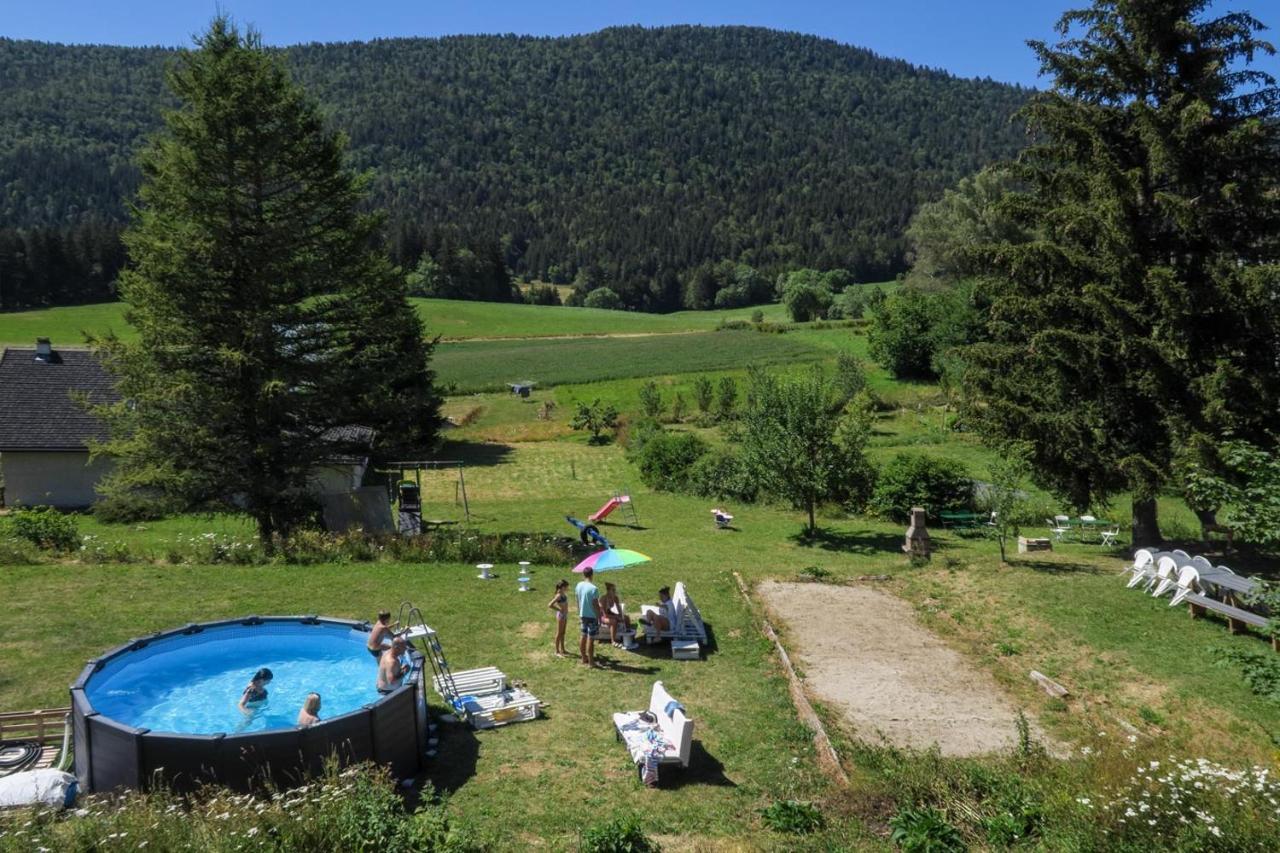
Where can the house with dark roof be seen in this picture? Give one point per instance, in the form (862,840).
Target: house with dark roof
(45,431)
(44,428)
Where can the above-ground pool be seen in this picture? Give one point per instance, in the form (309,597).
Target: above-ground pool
(164,708)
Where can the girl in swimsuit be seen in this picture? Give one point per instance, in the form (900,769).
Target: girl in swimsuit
(560,605)
(255,693)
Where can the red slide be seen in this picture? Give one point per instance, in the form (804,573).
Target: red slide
(604,511)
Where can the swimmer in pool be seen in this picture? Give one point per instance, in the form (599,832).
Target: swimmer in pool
(310,713)
(255,693)
(382,631)
(390,669)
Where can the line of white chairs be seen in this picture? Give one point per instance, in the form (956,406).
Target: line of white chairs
(1160,571)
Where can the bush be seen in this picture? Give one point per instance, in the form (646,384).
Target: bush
(650,399)
(793,817)
(597,418)
(703,393)
(45,527)
(726,398)
(602,297)
(757,316)
(925,830)
(620,835)
(129,508)
(721,474)
(912,479)
(666,459)
(542,294)
(914,331)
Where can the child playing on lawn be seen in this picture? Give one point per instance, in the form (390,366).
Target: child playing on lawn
(560,604)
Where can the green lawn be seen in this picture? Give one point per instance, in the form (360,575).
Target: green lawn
(1128,659)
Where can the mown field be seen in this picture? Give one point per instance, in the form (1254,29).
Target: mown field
(1146,682)
(451,320)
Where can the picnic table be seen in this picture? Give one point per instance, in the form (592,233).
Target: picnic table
(963,520)
(1085,525)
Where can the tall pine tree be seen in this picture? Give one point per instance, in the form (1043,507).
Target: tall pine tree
(266,325)
(1142,314)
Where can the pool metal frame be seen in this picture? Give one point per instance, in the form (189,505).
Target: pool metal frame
(391,730)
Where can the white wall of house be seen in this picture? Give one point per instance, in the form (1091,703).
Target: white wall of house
(41,478)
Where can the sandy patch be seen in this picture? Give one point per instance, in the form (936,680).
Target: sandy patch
(864,652)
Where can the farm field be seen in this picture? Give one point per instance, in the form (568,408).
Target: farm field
(450,319)
(1146,682)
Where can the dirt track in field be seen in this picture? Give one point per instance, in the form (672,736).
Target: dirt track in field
(863,651)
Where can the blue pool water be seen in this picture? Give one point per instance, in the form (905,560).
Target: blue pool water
(191,684)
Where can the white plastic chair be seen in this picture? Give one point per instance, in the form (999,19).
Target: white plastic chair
(1188,580)
(1143,560)
(1166,575)
(1056,529)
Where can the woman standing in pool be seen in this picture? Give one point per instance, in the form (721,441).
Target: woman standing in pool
(310,713)
(560,605)
(255,693)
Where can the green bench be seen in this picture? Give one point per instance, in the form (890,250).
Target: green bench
(957,520)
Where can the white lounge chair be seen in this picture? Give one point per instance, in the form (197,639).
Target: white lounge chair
(1188,582)
(668,741)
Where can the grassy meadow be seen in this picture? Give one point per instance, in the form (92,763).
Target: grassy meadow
(1146,682)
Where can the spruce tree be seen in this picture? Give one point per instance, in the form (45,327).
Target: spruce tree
(1141,313)
(267,327)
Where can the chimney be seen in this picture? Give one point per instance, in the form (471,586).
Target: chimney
(45,353)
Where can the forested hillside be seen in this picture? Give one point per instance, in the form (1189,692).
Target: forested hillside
(629,157)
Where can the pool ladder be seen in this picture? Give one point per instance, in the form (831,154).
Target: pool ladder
(429,645)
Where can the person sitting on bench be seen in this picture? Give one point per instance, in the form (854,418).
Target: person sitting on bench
(661,619)
(611,613)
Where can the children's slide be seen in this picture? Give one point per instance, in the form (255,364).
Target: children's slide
(610,506)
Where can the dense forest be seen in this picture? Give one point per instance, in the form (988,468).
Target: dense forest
(629,158)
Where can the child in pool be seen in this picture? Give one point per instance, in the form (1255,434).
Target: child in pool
(382,630)
(255,693)
(310,713)
(560,605)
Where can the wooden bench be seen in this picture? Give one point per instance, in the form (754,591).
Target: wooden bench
(45,727)
(1237,618)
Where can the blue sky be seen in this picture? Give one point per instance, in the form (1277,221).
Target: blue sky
(972,38)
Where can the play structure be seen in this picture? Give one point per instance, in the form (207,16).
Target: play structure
(483,697)
(619,499)
(408,496)
(588,533)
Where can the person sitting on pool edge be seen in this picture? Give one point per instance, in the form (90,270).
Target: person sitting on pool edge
(310,713)
(382,630)
(255,693)
(390,670)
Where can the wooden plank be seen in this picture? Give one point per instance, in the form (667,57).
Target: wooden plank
(1050,686)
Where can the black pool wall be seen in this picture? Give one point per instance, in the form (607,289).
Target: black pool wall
(109,755)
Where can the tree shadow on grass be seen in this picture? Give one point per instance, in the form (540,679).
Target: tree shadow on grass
(479,454)
(1051,567)
(866,542)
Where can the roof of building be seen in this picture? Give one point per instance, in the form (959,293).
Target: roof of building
(37,409)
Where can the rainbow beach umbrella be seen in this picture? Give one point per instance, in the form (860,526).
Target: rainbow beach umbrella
(611,559)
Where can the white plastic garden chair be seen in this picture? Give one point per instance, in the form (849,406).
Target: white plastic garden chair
(1056,529)
(1166,576)
(1188,580)
(1143,561)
